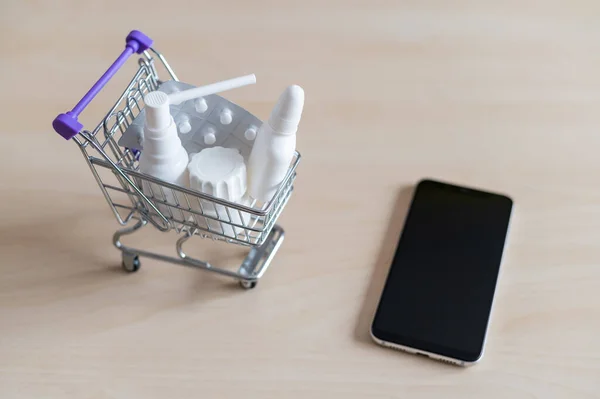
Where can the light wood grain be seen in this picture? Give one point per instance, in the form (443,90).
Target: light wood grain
(501,95)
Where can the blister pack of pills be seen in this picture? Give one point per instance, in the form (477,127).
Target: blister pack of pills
(201,123)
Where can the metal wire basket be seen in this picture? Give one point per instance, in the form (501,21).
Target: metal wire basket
(166,206)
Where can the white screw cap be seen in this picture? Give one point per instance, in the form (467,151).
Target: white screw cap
(220,172)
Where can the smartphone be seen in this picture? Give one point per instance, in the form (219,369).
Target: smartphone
(439,291)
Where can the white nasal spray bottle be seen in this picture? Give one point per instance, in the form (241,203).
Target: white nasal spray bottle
(275,145)
(163,155)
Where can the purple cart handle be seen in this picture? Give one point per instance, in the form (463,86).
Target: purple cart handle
(67,124)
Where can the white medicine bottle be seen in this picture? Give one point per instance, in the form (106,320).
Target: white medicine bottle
(275,145)
(163,156)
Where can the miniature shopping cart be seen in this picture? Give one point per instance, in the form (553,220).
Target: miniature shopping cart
(194,214)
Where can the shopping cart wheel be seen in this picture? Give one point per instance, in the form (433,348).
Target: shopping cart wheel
(131,262)
(248,284)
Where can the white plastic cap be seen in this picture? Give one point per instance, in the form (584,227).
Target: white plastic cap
(226,116)
(158,114)
(220,172)
(287,112)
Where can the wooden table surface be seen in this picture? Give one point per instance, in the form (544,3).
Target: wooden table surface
(500,95)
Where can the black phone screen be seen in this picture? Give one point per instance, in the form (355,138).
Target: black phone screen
(439,290)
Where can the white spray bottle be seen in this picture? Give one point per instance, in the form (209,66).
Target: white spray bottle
(163,155)
(275,145)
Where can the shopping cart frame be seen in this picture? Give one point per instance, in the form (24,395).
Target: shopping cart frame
(199,214)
